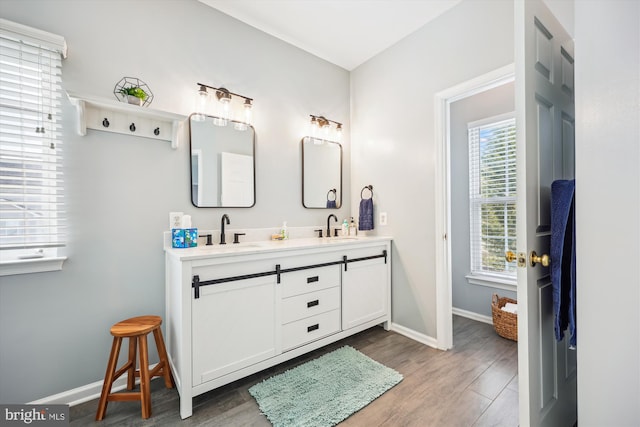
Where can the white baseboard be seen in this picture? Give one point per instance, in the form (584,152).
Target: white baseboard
(84,393)
(473,316)
(416,336)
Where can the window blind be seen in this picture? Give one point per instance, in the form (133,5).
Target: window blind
(492,195)
(31,177)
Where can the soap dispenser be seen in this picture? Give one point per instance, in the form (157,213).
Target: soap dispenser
(284,232)
(353,230)
(345,227)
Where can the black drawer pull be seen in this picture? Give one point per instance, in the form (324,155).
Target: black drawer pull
(312,279)
(313,303)
(313,327)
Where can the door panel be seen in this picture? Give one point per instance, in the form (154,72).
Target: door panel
(545,174)
(545,132)
(548,359)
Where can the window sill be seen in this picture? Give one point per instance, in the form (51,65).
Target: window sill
(26,266)
(492,281)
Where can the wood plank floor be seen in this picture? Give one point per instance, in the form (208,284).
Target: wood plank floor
(474,384)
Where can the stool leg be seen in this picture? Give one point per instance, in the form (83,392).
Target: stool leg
(108,378)
(131,372)
(164,359)
(145,389)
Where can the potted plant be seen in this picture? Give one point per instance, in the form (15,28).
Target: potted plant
(134,94)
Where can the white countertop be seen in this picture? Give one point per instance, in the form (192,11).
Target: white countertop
(245,248)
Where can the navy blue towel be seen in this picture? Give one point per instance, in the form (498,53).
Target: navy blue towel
(366,214)
(563,258)
(331,204)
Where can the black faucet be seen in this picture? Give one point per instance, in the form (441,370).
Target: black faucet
(329,224)
(224,217)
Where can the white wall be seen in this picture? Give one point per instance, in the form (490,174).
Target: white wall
(393,133)
(54,327)
(607,81)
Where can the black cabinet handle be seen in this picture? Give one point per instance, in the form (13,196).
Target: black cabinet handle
(132,127)
(313,327)
(156,131)
(105,122)
(312,279)
(313,303)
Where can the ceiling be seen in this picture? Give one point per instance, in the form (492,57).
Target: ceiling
(343,32)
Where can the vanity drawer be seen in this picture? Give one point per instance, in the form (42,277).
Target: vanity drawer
(313,279)
(295,334)
(305,305)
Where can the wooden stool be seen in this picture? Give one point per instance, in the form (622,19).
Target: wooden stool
(136,329)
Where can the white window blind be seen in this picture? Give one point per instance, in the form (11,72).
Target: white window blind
(492,195)
(31,179)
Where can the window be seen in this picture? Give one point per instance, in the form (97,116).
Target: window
(31,181)
(492,196)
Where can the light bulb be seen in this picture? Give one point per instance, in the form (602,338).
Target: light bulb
(313,127)
(224,97)
(202,104)
(338,132)
(248,112)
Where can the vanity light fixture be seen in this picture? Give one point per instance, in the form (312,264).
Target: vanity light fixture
(321,128)
(224,114)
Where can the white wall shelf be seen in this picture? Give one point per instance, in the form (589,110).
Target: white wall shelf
(119,117)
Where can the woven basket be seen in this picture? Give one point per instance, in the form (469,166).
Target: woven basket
(505,323)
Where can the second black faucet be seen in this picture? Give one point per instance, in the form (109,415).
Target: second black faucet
(224,218)
(329,224)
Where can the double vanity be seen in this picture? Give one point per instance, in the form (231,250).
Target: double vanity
(236,309)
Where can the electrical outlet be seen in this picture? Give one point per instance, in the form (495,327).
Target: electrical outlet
(175,220)
(383,218)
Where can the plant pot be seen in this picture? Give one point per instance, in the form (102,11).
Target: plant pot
(134,100)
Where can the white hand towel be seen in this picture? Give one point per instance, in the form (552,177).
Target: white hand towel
(510,308)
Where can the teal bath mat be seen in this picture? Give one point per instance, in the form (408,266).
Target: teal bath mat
(323,391)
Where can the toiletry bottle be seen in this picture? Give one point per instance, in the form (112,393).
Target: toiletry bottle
(345,227)
(353,230)
(284,232)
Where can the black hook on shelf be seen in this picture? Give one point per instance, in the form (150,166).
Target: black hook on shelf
(105,122)
(132,127)
(156,131)
(367,187)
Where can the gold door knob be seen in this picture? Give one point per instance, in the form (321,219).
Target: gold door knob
(535,259)
(510,256)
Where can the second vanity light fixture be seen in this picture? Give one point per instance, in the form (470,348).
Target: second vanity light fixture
(321,128)
(224,107)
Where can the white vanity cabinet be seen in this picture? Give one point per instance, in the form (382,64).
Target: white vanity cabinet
(231,312)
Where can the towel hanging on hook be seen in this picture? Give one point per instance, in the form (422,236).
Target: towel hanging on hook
(331,204)
(366,210)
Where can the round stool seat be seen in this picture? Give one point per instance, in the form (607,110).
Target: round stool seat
(136,326)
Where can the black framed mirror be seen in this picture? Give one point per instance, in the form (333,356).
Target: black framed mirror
(222,163)
(321,173)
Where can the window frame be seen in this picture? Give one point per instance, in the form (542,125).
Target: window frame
(479,272)
(45,257)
